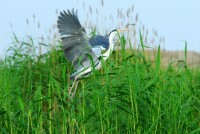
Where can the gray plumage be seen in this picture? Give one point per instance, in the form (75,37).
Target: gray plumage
(99,43)
(99,40)
(84,54)
(75,44)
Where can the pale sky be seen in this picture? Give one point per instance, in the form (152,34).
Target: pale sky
(176,20)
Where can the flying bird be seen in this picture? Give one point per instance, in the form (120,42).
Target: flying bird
(79,50)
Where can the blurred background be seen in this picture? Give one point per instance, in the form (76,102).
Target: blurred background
(168,23)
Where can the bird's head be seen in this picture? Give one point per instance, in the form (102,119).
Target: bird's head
(112,35)
(115,31)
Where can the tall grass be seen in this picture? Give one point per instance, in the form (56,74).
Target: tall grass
(130,94)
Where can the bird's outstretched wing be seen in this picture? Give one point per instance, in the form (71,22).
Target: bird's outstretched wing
(75,45)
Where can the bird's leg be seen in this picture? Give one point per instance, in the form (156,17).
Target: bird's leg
(70,89)
(76,85)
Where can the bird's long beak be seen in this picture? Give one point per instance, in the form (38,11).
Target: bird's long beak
(121,30)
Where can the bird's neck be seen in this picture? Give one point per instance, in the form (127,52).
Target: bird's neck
(111,46)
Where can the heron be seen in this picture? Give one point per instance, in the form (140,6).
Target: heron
(79,50)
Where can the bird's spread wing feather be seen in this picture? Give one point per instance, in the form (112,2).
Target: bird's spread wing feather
(75,45)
